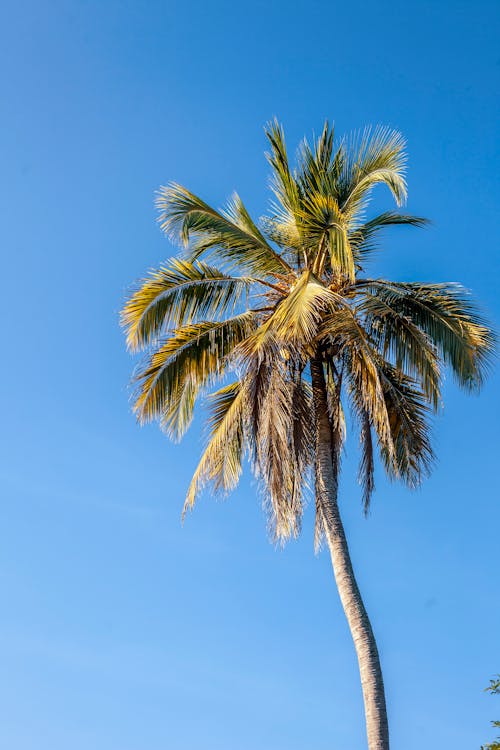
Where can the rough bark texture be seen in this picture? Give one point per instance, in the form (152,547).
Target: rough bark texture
(359,624)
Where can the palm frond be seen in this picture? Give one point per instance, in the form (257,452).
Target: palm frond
(363,238)
(377,158)
(296,318)
(195,355)
(315,163)
(273,416)
(398,339)
(177,293)
(230,235)
(324,227)
(284,184)
(412,455)
(284,231)
(447,315)
(177,413)
(323,150)
(221,462)
(347,336)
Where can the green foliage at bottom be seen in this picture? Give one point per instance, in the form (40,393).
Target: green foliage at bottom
(494,689)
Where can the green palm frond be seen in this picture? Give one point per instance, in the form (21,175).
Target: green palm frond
(346,334)
(314,172)
(411,456)
(367,464)
(283,184)
(378,157)
(323,149)
(231,235)
(175,294)
(221,462)
(363,238)
(192,357)
(447,315)
(324,233)
(400,340)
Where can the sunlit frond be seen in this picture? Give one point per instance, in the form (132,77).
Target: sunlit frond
(323,148)
(285,232)
(279,425)
(314,172)
(378,157)
(367,463)
(297,317)
(177,293)
(230,235)
(178,411)
(325,235)
(283,184)
(221,462)
(192,357)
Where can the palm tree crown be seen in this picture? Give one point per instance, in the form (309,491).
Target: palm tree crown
(249,308)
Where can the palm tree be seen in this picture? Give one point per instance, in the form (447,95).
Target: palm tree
(283,317)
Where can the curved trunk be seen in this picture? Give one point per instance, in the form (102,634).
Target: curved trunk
(329,518)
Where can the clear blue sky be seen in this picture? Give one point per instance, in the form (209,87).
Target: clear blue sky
(119,629)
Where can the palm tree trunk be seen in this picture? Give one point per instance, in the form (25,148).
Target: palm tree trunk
(359,624)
